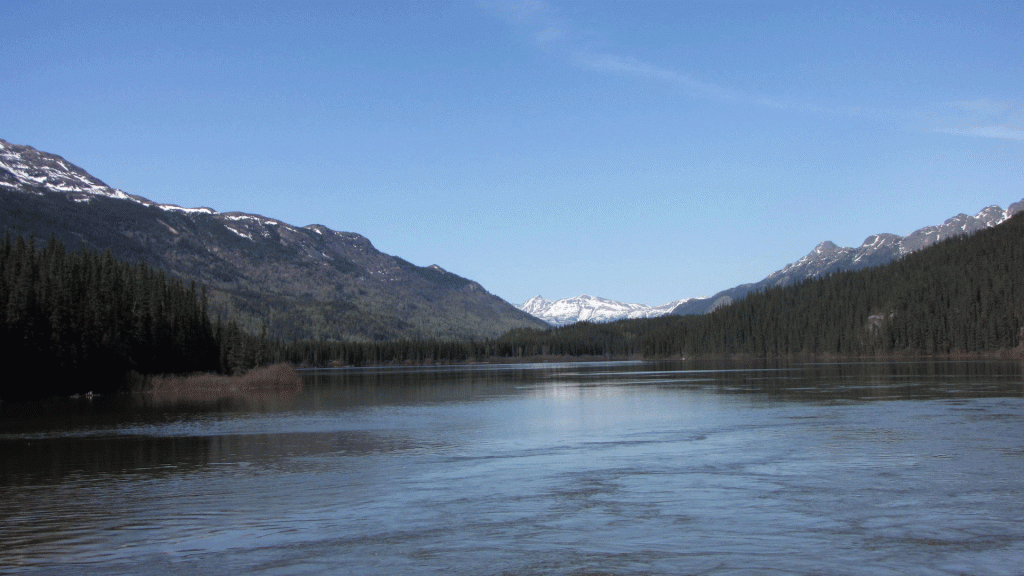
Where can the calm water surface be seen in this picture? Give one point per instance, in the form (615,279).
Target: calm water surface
(611,468)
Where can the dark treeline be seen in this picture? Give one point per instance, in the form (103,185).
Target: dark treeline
(963,296)
(74,317)
(572,342)
(81,321)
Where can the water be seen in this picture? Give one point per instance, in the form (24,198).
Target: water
(597,469)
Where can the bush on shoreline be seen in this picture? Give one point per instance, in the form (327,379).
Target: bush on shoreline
(276,379)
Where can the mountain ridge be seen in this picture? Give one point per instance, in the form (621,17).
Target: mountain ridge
(826,257)
(301,282)
(876,250)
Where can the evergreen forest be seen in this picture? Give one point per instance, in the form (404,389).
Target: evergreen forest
(82,321)
(75,317)
(961,297)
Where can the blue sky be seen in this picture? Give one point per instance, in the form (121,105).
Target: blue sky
(639,151)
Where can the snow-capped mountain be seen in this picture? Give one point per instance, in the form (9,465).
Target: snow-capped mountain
(876,250)
(882,248)
(302,282)
(590,309)
(827,257)
(24,167)
(27,169)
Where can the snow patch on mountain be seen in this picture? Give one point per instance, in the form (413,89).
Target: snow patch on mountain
(173,208)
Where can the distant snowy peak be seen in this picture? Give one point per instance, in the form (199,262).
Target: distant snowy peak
(590,309)
(535,306)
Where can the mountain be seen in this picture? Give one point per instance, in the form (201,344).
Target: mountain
(877,249)
(300,282)
(827,257)
(960,298)
(590,309)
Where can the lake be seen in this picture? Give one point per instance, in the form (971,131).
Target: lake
(571,469)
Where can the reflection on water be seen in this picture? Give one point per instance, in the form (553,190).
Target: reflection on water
(601,468)
(54,460)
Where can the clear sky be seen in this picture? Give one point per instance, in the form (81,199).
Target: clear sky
(639,151)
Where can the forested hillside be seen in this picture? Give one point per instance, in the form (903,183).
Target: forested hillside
(70,319)
(964,295)
(82,321)
(961,296)
(297,281)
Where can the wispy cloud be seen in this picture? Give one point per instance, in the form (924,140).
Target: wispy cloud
(986,132)
(983,107)
(534,17)
(540,21)
(619,64)
(981,118)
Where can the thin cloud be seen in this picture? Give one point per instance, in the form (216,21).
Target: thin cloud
(981,118)
(983,107)
(534,17)
(984,118)
(619,64)
(541,23)
(986,132)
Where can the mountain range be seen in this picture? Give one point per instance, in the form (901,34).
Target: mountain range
(317,283)
(591,309)
(298,282)
(826,258)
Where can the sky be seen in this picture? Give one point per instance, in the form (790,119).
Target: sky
(639,151)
